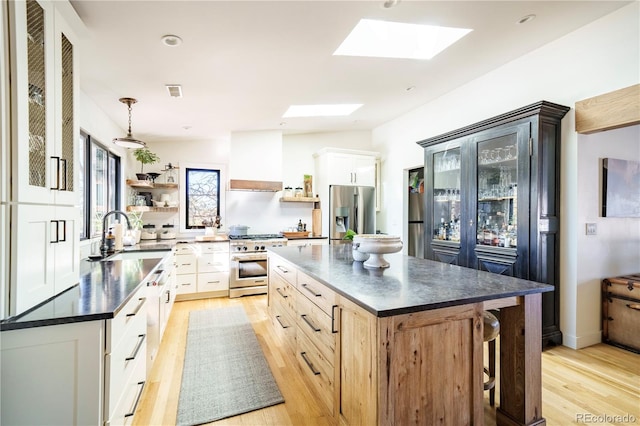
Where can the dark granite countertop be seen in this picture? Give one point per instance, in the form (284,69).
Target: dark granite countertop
(104,288)
(408,285)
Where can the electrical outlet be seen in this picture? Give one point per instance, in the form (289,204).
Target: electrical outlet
(591,229)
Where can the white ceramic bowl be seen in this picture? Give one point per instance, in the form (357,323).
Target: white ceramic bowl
(377,245)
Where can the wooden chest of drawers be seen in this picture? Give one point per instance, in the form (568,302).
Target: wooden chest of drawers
(621,311)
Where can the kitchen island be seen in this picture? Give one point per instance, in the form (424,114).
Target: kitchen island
(404,345)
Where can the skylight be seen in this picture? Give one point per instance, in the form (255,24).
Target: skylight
(321,110)
(384,39)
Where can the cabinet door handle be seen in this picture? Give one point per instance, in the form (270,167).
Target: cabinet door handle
(64,174)
(135,405)
(333,319)
(168,293)
(280,322)
(64,230)
(140,305)
(283,269)
(133,356)
(284,296)
(309,323)
(213,282)
(310,290)
(57,160)
(309,364)
(55,225)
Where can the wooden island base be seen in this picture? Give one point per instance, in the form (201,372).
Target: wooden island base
(427,367)
(405,346)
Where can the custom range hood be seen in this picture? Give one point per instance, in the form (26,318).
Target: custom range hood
(254,185)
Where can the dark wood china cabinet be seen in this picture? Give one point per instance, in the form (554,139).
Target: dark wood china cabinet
(492,199)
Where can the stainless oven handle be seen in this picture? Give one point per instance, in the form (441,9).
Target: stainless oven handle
(248,258)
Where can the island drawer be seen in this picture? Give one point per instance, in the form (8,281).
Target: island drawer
(283,268)
(316,368)
(317,325)
(282,293)
(284,325)
(317,292)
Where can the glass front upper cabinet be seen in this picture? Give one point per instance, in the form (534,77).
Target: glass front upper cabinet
(497,192)
(446,195)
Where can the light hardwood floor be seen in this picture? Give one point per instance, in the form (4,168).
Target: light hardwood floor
(599,380)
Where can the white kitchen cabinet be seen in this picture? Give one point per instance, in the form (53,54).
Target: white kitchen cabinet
(45,92)
(125,360)
(46,256)
(202,269)
(53,375)
(342,168)
(186,267)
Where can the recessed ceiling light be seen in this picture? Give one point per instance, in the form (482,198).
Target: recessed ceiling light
(171,40)
(321,110)
(384,39)
(526,18)
(388,4)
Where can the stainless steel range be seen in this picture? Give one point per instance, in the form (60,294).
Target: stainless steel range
(249,272)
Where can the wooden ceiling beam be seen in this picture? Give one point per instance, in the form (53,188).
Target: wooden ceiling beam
(611,110)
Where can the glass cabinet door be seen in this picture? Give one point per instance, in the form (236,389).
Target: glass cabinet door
(36,75)
(497,192)
(446,195)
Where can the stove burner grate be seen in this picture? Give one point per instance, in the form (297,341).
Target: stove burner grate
(255,237)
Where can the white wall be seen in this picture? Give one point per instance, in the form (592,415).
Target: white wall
(260,155)
(598,58)
(615,250)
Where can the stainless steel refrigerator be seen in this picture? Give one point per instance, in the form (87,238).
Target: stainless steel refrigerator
(415,245)
(351,207)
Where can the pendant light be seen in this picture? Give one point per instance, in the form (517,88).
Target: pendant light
(129,141)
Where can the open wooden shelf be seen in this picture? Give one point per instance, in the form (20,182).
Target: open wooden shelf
(148,185)
(299,200)
(152,209)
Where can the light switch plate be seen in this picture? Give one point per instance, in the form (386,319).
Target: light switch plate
(591,229)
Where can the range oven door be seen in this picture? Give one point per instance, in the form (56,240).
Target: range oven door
(248,270)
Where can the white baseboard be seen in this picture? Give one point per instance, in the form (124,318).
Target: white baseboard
(579,342)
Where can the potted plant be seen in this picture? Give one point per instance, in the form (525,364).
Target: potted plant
(145,156)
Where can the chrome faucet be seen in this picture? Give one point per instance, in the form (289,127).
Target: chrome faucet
(103,241)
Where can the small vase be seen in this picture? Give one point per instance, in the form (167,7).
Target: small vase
(142,176)
(209,231)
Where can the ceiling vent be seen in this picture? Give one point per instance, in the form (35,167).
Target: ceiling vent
(175,90)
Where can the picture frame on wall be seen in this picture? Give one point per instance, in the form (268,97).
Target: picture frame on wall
(620,188)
